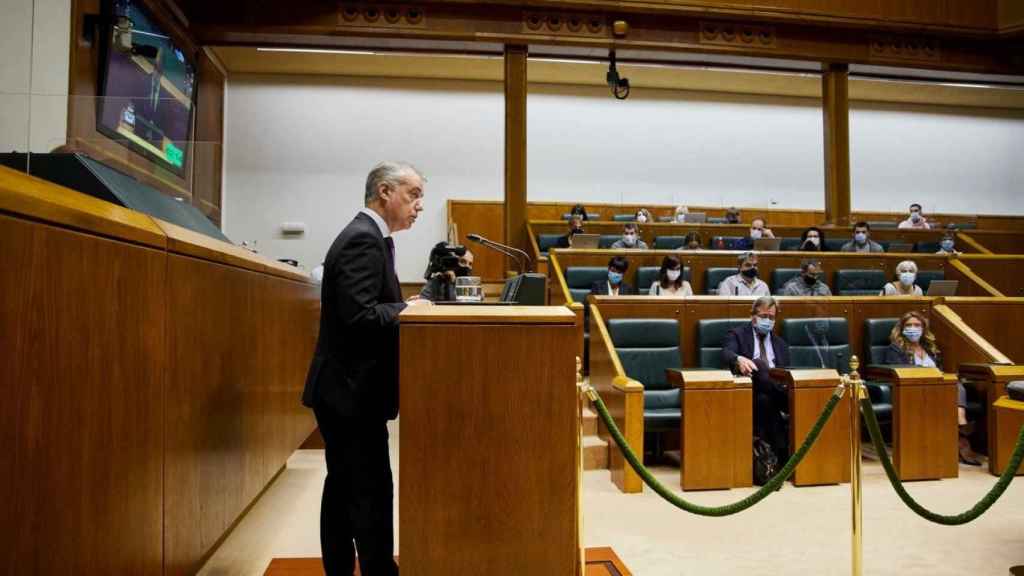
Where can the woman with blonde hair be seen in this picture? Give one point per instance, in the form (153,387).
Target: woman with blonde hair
(912,343)
(906,275)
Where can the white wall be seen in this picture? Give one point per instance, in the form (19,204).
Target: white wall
(947,159)
(298,148)
(34,60)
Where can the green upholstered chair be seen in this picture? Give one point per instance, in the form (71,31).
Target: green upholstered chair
(876,342)
(835,244)
(581,278)
(547,241)
(859,282)
(646,348)
(623,217)
(782,275)
(790,244)
(668,242)
(713,276)
(710,334)
(646,275)
(925,277)
(607,240)
(817,342)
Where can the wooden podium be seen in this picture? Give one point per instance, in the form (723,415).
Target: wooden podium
(828,461)
(924,429)
(715,435)
(489,441)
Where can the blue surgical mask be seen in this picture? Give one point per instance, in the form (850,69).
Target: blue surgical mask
(907,278)
(614,277)
(764,325)
(629,239)
(860,237)
(912,334)
(915,216)
(947,245)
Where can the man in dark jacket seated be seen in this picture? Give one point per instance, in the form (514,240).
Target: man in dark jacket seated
(614,285)
(752,350)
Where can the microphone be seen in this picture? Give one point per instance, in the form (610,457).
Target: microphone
(509,251)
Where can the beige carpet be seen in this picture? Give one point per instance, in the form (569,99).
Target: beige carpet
(797,531)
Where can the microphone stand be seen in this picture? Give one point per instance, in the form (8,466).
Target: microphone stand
(509,251)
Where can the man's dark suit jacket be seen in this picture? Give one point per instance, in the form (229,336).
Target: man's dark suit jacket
(355,367)
(740,342)
(600,288)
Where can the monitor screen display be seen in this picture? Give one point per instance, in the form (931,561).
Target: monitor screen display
(147,88)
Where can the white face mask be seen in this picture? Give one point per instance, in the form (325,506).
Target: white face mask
(641,218)
(672,275)
(814,240)
(755,233)
(629,239)
(680,217)
(907,278)
(915,216)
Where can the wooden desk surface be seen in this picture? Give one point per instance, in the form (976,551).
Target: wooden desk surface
(456,314)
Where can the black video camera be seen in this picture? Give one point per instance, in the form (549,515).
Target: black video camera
(445,257)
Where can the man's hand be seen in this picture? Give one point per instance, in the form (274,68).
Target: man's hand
(745,366)
(417,301)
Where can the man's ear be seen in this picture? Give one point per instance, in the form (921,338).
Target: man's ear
(383,191)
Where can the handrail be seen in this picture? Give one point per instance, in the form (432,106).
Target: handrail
(621,381)
(970,241)
(560,276)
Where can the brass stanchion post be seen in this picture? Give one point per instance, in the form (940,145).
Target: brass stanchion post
(856,533)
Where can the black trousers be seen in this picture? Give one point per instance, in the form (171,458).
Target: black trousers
(358,496)
(771,400)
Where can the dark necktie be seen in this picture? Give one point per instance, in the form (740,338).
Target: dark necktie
(391,249)
(761,349)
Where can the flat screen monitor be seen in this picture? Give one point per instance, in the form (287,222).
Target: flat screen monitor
(147,87)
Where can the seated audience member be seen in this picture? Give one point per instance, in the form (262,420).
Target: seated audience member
(862,241)
(812,240)
(670,280)
(757,230)
(916,219)
(692,241)
(808,283)
(912,343)
(752,350)
(732,216)
(441,289)
(680,214)
(630,238)
(745,282)
(579,210)
(643,216)
(948,244)
(906,273)
(575,227)
(614,285)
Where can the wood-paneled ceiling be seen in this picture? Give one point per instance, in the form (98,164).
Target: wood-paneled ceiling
(801,80)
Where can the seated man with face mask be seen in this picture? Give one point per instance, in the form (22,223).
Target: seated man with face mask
(906,274)
(862,241)
(753,350)
(630,239)
(758,230)
(614,285)
(947,244)
(745,282)
(808,283)
(440,286)
(916,219)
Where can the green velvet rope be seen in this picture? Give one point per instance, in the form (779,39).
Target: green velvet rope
(772,485)
(951,520)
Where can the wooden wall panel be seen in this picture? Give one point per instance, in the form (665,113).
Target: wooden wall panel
(486,219)
(82,348)
(996,320)
(1003,273)
(208,155)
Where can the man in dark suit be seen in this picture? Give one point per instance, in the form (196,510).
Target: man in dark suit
(614,285)
(752,350)
(352,384)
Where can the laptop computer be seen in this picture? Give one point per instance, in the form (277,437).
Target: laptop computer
(767,244)
(586,240)
(943,287)
(695,218)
